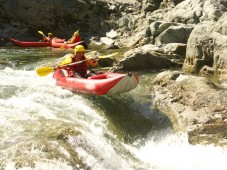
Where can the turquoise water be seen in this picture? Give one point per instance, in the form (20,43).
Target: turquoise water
(45,127)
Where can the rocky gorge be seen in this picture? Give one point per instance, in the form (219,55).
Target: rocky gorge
(188,39)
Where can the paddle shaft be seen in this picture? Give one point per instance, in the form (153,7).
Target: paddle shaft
(74,63)
(43,71)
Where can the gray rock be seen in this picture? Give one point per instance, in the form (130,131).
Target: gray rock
(194,104)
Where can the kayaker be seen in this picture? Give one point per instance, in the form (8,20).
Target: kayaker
(79,70)
(47,38)
(75,38)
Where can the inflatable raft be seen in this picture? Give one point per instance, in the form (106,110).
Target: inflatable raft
(60,43)
(102,84)
(30,44)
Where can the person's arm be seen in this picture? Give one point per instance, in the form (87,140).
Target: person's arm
(45,39)
(92,62)
(71,41)
(67,60)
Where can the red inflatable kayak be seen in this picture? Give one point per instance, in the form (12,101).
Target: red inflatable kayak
(30,44)
(102,84)
(60,43)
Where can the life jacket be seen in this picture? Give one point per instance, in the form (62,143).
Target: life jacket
(80,68)
(75,39)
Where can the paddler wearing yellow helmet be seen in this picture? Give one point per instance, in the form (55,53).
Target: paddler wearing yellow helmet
(79,69)
(75,38)
(47,38)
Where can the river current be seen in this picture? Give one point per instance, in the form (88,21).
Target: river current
(44,127)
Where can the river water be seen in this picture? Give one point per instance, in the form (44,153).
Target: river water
(45,127)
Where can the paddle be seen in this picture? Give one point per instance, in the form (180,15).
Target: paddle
(108,56)
(73,45)
(43,71)
(42,33)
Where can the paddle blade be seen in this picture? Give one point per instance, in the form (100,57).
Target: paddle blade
(40,32)
(108,56)
(43,71)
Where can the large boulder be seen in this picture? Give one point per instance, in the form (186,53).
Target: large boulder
(207,47)
(147,57)
(195,105)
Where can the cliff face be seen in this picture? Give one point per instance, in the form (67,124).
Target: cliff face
(63,17)
(59,16)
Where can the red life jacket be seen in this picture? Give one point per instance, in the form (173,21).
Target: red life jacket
(76,39)
(80,68)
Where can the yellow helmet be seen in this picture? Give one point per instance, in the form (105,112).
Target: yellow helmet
(76,33)
(79,48)
(49,34)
